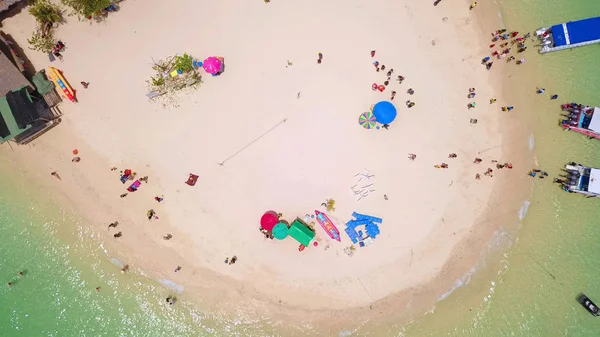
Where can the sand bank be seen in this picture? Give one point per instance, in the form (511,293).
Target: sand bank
(288,138)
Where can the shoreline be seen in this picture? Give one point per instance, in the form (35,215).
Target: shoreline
(386,303)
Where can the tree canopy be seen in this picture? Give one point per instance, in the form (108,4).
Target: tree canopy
(87,8)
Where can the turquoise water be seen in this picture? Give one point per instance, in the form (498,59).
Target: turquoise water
(553,255)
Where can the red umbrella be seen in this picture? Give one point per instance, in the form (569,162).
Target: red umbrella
(269,220)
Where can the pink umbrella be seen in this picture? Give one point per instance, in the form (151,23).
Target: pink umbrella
(269,220)
(212,65)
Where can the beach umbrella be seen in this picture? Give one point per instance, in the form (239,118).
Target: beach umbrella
(385,112)
(269,220)
(367,120)
(280,231)
(212,65)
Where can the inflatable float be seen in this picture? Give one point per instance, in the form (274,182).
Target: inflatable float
(328,226)
(56,76)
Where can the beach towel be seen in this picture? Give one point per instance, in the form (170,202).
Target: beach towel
(192,180)
(125,175)
(133,187)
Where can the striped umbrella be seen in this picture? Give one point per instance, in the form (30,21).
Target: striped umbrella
(367,120)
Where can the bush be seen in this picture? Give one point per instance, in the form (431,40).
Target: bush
(87,8)
(45,12)
(42,42)
(184,63)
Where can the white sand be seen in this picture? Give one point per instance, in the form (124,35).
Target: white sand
(294,166)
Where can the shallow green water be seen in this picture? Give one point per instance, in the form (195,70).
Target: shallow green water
(535,283)
(532,291)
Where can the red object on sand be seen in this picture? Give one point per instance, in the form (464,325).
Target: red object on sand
(301,248)
(192,179)
(75,151)
(374,86)
(269,220)
(381,88)
(372,53)
(315,243)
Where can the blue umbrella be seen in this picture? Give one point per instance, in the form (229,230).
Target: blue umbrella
(385,112)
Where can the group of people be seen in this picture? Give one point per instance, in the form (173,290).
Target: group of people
(382,87)
(21,274)
(489,172)
(58,48)
(504,39)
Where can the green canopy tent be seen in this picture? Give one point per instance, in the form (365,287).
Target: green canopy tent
(301,233)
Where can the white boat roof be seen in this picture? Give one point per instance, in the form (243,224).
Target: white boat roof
(594,185)
(595,122)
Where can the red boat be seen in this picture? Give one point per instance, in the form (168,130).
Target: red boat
(328,226)
(582,119)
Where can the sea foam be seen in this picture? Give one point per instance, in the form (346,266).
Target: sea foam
(523,210)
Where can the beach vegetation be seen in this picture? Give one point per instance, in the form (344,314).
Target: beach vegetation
(42,41)
(184,63)
(171,75)
(88,9)
(45,13)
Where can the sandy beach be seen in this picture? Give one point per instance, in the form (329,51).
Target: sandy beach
(270,135)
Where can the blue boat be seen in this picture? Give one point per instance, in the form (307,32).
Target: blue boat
(569,35)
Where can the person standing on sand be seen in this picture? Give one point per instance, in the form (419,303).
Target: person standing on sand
(56,175)
(541,91)
(473,5)
(412,156)
(452,155)
(159,199)
(97,289)
(9,284)
(320,59)
(385,126)
(21,274)
(492,100)
(477,160)
(393,95)
(233,260)
(554,97)
(85,84)
(113,224)
(118,235)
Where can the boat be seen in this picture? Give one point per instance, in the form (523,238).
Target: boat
(569,35)
(581,119)
(328,226)
(580,179)
(590,306)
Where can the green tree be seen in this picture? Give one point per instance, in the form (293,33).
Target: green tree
(45,12)
(42,42)
(87,9)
